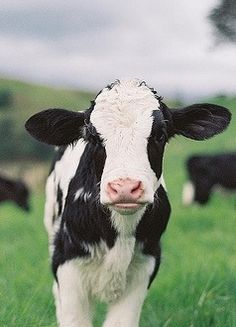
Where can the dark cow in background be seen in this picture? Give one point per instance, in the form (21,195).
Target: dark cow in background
(206,173)
(106,206)
(15,191)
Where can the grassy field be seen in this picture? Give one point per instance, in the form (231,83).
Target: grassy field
(196,285)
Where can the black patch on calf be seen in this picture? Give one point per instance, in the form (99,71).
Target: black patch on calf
(110,86)
(84,221)
(59,200)
(200,121)
(90,133)
(153,225)
(56,126)
(157,265)
(156,142)
(155,156)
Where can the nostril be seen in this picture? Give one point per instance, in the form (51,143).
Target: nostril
(137,191)
(136,188)
(111,189)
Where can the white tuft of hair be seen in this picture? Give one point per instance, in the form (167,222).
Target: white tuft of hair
(188,193)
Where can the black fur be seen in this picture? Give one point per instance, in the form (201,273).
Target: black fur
(85,221)
(56,126)
(200,121)
(152,226)
(156,142)
(59,199)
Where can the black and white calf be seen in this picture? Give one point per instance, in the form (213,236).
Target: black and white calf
(206,173)
(15,191)
(106,206)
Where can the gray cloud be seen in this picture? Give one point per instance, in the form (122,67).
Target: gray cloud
(84,44)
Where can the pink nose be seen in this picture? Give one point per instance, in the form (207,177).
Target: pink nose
(125,190)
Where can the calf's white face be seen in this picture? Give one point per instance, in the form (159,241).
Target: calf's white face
(123,117)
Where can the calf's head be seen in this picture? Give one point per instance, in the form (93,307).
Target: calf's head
(129,125)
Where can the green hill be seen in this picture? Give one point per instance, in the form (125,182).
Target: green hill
(21,101)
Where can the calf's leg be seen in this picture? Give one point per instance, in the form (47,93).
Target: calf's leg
(72,301)
(125,312)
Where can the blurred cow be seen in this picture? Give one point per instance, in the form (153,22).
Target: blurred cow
(15,191)
(206,173)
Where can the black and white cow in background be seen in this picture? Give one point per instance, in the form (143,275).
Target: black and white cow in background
(207,173)
(106,208)
(15,191)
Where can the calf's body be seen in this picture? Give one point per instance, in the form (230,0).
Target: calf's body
(106,206)
(97,254)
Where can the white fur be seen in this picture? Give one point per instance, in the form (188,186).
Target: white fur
(126,311)
(126,225)
(81,194)
(72,299)
(78,193)
(50,208)
(119,276)
(87,196)
(188,193)
(123,117)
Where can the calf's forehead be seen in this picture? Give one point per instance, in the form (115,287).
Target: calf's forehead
(123,107)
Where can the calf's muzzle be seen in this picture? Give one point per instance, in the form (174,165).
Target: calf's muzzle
(125,191)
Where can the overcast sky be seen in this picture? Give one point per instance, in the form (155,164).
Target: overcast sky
(87,44)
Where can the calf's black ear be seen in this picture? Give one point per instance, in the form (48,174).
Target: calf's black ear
(56,126)
(200,121)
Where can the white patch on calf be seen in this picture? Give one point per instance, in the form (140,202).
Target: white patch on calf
(108,273)
(87,196)
(72,298)
(126,310)
(81,194)
(50,208)
(78,193)
(126,225)
(123,117)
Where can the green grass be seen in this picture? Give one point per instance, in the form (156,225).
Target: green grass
(30,98)
(196,284)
